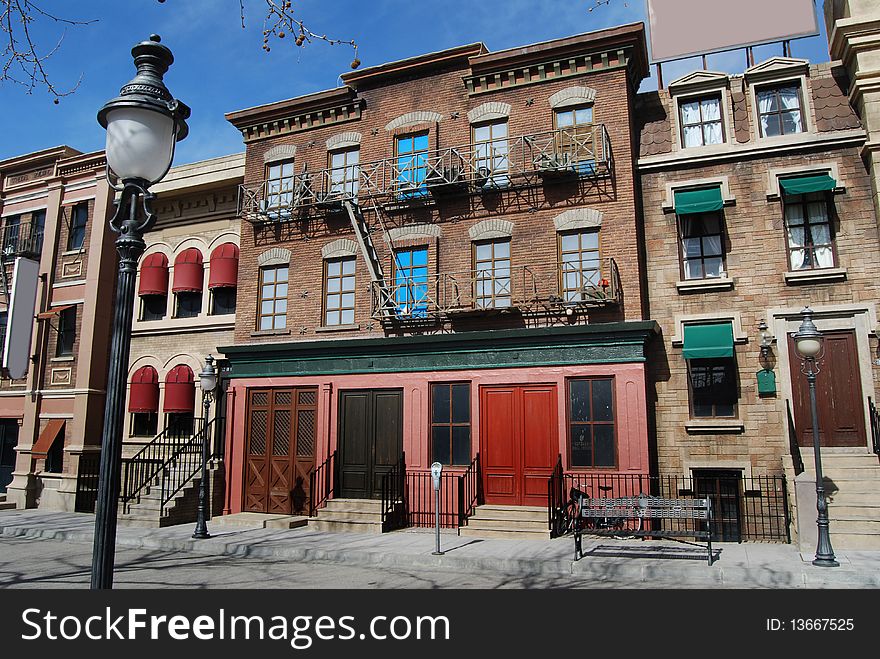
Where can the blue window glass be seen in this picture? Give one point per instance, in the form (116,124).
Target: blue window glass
(411,282)
(412,167)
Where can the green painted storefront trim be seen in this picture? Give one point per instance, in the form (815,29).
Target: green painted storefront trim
(606,343)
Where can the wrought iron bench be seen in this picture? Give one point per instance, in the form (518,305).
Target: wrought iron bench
(590,512)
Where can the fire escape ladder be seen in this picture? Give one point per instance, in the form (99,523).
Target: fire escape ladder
(371,257)
(4,293)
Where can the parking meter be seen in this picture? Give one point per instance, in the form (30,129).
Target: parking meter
(436,470)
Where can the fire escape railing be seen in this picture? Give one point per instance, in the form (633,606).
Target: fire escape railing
(524,287)
(577,152)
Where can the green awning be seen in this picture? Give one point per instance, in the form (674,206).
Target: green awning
(698,201)
(807,184)
(708,341)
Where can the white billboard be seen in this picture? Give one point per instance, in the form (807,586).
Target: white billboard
(684,28)
(17,347)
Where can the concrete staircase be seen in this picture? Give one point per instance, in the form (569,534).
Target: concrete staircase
(514,522)
(349,516)
(852,484)
(6,505)
(182,508)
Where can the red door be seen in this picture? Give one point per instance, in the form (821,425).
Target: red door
(518,443)
(839,401)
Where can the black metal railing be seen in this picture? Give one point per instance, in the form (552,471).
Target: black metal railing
(470,490)
(752,509)
(422,501)
(394,514)
(322,481)
(87,482)
(142,470)
(793,445)
(183,465)
(875,426)
(556,499)
(22,238)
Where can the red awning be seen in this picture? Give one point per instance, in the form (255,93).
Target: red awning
(54,311)
(180,390)
(188,272)
(50,433)
(154,275)
(144,396)
(224,266)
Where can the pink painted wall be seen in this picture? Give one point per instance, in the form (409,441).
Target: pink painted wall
(629,391)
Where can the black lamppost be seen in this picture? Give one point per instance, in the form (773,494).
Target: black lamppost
(208,382)
(143,124)
(808,342)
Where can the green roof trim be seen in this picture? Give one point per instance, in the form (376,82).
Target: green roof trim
(807,184)
(601,343)
(706,200)
(708,341)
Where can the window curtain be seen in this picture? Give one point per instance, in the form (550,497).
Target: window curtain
(794,221)
(791,102)
(820,230)
(766,103)
(712,121)
(690,113)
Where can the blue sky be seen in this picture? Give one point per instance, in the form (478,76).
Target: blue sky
(219,67)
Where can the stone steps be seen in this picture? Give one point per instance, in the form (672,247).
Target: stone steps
(349,516)
(513,522)
(6,505)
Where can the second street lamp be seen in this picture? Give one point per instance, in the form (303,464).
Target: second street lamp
(143,124)
(208,382)
(808,343)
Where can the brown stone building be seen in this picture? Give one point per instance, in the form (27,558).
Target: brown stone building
(54,204)
(756,203)
(441,259)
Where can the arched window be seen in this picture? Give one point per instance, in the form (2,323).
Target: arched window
(180,400)
(223,278)
(153,287)
(143,402)
(188,282)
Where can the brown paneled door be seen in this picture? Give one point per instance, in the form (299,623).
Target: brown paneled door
(518,443)
(282,425)
(370,440)
(839,399)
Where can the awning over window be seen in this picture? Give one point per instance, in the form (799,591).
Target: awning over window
(708,341)
(224,266)
(806,184)
(50,433)
(188,272)
(54,311)
(698,201)
(180,390)
(144,392)
(154,275)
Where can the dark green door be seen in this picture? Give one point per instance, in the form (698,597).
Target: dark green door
(370,439)
(724,488)
(8,442)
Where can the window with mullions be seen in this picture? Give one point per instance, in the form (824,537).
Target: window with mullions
(144,424)
(779,110)
(491,150)
(66,332)
(272,312)
(492,274)
(345,173)
(339,284)
(451,423)
(11,231)
(713,385)
(79,216)
(153,307)
(412,165)
(223,300)
(702,245)
(701,122)
(574,139)
(591,423)
(189,304)
(579,263)
(411,282)
(279,185)
(809,232)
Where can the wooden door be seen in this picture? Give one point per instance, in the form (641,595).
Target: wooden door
(518,443)
(8,442)
(839,401)
(280,449)
(370,440)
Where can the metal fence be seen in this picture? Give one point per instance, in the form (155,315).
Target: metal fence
(744,509)
(87,482)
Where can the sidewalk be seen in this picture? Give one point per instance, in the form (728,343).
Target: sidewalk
(626,563)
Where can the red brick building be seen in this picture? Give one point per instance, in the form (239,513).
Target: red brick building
(441,259)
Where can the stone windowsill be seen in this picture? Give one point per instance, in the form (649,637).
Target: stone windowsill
(72,252)
(67,358)
(704,285)
(714,426)
(337,328)
(272,332)
(818,276)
